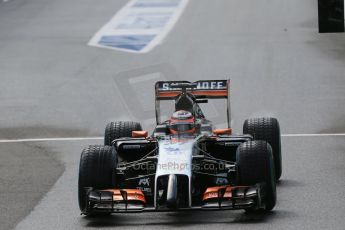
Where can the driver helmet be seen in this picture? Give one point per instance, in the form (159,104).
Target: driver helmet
(182,122)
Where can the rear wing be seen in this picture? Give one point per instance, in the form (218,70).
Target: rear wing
(204,89)
(208,89)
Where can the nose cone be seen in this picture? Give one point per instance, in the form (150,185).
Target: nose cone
(172,196)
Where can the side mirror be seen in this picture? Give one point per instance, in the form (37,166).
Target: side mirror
(227,131)
(137,134)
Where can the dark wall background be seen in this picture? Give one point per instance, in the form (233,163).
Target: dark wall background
(331,16)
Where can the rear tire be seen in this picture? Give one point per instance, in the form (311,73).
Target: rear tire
(267,129)
(96,170)
(119,129)
(255,165)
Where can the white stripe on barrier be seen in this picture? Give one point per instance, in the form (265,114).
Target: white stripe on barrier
(140,25)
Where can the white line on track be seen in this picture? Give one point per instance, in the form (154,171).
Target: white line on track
(101,138)
(315,135)
(50,139)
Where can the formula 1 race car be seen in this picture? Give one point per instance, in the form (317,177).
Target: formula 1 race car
(185,164)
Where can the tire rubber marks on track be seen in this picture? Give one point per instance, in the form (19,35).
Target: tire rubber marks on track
(140,25)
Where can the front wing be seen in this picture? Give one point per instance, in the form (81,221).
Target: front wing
(134,201)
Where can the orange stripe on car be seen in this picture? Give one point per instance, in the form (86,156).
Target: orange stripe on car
(132,194)
(137,134)
(212,192)
(215,93)
(227,131)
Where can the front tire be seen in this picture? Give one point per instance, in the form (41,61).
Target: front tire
(96,170)
(255,165)
(267,129)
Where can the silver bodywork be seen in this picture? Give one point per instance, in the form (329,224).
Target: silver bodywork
(175,157)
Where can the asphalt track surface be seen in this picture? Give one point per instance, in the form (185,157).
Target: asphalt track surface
(54,85)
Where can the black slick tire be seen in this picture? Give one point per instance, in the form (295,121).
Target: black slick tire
(119,129)
(96,170)
(255,165)
(267,129)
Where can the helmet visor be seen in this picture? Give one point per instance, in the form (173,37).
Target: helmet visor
(182,127)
